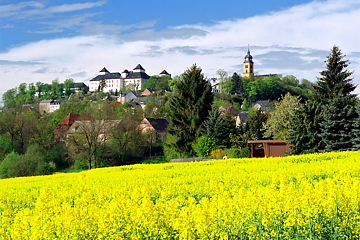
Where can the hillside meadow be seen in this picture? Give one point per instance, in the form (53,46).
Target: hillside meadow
(297,197)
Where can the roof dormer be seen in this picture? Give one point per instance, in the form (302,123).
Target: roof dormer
(139,68)
(125,73)
(103,71)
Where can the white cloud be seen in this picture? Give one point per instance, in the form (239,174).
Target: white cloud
(32,8)
(293,41)
(74,7)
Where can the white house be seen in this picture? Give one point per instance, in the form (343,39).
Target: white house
(49,106)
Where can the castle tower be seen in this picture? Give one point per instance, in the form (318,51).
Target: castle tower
(248,65)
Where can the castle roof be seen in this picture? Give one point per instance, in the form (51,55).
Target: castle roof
(139,67)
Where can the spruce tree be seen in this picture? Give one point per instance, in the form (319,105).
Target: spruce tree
(334,92)
(254,124)
(305,128)
(337,124)
(325,122)
(215,127)
(355,131)
(236,84)
(336,80)
(188,109)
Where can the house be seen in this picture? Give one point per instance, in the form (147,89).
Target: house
(147,92)
(62,128)
(115,81)
(241,118)
(140,100)
(263,105)
(230,109)
(157,125)
(126,97)
(111,98)
(48,106)
(102,128)
(78,87)
(215,87)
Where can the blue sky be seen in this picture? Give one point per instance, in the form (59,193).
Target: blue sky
(45,40)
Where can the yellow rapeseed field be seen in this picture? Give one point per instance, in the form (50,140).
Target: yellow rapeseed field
(314,196)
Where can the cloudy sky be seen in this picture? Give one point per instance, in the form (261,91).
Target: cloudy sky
(45,40)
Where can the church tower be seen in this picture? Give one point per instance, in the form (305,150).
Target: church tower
(248,65)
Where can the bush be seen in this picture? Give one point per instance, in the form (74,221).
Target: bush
(236,153)
(29,164)
(58,155)
(155,160)
(81,163)
(217,153)
(6,166)
(203,146)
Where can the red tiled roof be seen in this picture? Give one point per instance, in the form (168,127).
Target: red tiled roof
(71,118)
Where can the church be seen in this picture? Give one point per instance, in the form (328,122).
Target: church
(248,68)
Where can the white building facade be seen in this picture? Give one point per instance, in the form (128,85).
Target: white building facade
(114,82)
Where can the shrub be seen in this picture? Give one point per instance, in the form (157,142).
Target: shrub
(217,153)
(238,153)
(29,164)
(203,146)
(6,166)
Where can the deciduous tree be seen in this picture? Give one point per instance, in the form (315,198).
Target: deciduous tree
(278,124)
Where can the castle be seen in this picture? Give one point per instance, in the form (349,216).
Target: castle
(115,81)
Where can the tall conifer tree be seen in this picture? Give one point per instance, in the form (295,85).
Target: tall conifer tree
(236,84)
(188,109)
(334,92)
(335,80)
(325,123)
(338,123)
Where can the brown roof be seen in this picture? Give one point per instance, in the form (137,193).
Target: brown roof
(159,124)
(71,118)
(267,141)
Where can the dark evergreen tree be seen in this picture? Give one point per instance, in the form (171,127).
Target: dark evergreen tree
(355,131)
(236,84)
(336,80)
(215,127)
(188,109)
(254,124)
(334,92)
(325,123)
(305,129)
(337,123)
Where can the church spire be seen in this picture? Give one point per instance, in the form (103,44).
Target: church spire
(248,57)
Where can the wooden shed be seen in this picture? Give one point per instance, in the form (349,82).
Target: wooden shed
(269,148)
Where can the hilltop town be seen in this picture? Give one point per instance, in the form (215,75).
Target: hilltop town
(127,117)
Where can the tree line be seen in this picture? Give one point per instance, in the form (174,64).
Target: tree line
(33,93)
